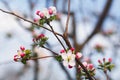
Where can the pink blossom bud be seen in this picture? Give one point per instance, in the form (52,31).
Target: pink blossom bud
(72,49)
(41,36)
(62,51)
(33,40)
(99,61)
(78,55)
(110,59)
(22,48)
(103,59)
(15,59)
(70,66)
(15,56)
(50,11)
(36,20)
(90,66)
(22,55)
(85,64)
(37,12)
(42,15)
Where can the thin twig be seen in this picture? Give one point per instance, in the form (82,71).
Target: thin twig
(68,17)
(107,77)
(28,21)
(57,36)
(35,58)
(50,50)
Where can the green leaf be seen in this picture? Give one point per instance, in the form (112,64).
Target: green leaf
(101,65)
(23,61)
(107,63)
(58,58)
(27,51)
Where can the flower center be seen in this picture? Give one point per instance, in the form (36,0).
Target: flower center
(68,58)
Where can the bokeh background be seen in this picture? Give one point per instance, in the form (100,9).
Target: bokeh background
(87,16)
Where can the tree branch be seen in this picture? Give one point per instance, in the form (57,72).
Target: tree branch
(68,17)
(99,23)
(28,21)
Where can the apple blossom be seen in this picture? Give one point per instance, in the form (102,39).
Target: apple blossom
(68,58)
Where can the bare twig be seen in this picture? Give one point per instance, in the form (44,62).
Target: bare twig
(68,17)
(50,50)
(28,21)
(107,77)
(99,23)
(35,58)
(57,36)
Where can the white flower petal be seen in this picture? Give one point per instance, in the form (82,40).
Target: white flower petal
(69,53)
(65,63)
(46,13)
(72,62)
(64,56)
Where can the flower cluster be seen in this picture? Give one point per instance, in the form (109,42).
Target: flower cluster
(105,65)
(99,47)
(40,39)
(46,15)
(22,55)
(90,68)
(68,57)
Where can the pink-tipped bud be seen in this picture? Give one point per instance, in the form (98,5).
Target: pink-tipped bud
(78,55)
(99,61)
(41,36)
(36,20)
(22,48)
(22,55)
(50,11)
(33,40)
(110,59)
(37,12)
(62,51)
(42,15)
(90,66)
(70,66)
(72,49)
(16,58)
(85,64)
(103,59)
